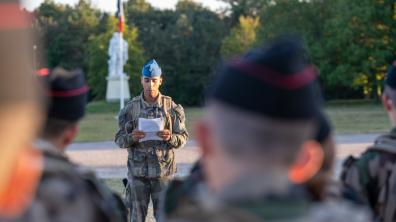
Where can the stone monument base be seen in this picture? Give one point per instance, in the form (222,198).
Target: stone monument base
(113,89)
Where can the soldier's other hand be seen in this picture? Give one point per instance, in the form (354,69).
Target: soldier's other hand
(165,134)
(137,135)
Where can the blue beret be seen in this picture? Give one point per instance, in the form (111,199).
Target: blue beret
(151,69)
(390,78)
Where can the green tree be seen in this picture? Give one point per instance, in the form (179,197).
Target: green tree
(241,38)
(360,41)
(65,30)
(309,20)
(245,8)
(186,43)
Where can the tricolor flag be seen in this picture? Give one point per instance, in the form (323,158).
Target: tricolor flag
(120,15)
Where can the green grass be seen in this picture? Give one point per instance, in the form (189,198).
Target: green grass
(357,117)
(100,122)
(351,116)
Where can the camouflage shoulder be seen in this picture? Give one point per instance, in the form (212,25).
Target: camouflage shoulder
(178,109)
(130,103)
(71,182)
(57,165)
(364,160)
(133,100)
(109,202)
(167,97)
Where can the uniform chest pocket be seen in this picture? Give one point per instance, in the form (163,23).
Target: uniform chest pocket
(164,155)
(138,156)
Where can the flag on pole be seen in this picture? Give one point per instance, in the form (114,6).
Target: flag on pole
(120,15)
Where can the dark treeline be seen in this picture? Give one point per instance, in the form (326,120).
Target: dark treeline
(351,41)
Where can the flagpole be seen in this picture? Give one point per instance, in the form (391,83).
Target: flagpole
(121,75)
(120,68)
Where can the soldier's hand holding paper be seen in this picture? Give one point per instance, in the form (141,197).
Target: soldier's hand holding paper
(165,134)
(150,128)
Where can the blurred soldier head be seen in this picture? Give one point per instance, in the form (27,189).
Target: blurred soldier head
(20,112)
(67,95)
(389,95)
(260,119)
(151,79)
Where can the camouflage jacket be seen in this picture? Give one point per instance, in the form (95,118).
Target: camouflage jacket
(370,175)
(188,201)
(67,192)
(151,159)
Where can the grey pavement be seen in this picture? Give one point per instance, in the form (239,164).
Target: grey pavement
(109,161)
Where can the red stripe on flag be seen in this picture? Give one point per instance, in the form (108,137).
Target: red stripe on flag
(120,25)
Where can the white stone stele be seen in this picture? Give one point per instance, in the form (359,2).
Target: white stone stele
(113,89)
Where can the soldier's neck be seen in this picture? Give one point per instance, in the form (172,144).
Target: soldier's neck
(150,99)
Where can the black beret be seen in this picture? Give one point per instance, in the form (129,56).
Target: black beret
(324,128)
(276,81)
(67,94)
(390,79)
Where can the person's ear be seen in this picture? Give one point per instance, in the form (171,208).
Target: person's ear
(308,162)
(70,134)
(387,103)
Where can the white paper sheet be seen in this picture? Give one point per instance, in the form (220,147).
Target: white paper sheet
(150,127)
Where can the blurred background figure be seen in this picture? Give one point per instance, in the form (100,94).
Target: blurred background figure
(20,112)
(373,175)
(320,187)
(258,145)
(67,192)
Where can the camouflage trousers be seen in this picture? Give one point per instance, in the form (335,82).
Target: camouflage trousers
(142,189)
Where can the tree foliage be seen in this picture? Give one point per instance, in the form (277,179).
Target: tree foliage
(241,38)
(350,41)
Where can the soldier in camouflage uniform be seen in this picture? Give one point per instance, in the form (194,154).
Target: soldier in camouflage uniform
(255,144)
(182,192)
(151,164)
(67,192)
(373,175)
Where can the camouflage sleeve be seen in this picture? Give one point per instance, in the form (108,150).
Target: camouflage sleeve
(356,174)
(179,132)
(122,138)
(70,202)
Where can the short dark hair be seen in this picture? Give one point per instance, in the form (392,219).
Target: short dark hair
(54,127)
(247,135)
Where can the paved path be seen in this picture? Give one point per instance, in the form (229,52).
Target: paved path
(109,161)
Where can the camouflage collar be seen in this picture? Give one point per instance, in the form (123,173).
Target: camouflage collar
(47,147)
(265,207)
(158,103)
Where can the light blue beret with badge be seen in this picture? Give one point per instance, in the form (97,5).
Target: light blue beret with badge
(151,69)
